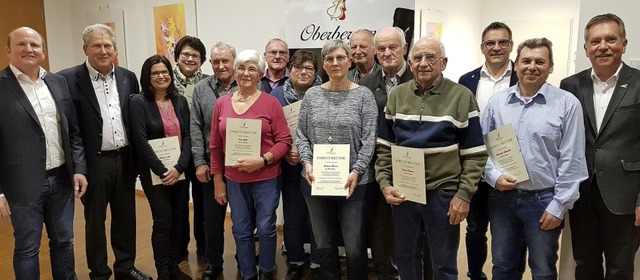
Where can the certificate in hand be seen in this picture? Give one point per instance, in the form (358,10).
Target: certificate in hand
(504,151)
(242,140)
(168,151)
(408,173)
(291,113)
(330,169)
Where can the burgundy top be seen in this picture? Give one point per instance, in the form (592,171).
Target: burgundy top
(275,136)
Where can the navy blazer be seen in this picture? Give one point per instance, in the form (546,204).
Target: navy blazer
(613,152)
(22,140)
(89,115)
(146,124)
(471,79)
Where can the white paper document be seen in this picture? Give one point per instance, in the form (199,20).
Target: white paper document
(330,169)
(504,151)
(242,139)
(408,173)
(168,151)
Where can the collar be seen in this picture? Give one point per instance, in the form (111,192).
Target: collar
(515,96)
(286,74)
(399,74)
(613,78)
(219,84)
(417,89)
(22,77)
(373,68)
(484,71)
(95,75)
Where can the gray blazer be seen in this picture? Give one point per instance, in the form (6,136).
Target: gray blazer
(22,143)
(613,153)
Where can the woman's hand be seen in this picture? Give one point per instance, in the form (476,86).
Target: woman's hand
(308,173)
(249,164)
(220,189)
(170,177)
(292,157)
(352,183)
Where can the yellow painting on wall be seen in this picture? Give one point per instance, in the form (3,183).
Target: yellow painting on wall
(169,25)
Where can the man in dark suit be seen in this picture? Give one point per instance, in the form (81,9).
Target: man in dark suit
(41,155)
(390,47)
(606,217)
(495,74)
(100,91)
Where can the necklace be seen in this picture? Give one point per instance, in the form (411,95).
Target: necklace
(239,99)
(163,105)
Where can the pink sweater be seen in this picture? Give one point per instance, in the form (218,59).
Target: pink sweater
(275,136)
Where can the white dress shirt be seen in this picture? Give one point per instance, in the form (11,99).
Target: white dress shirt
(602,92)
(45,107)
(106,89)
(488,85)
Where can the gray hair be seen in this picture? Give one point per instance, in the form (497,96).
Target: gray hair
(423,39)
(400,32)
(266,47)
(251,56)
(363,31)
(224,46)
(334,45)
(99,29)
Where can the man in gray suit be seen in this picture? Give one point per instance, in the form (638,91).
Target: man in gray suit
(605,219)
(41,155)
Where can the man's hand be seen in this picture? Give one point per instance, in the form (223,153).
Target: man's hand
(79,185)
(202,173)
(170,177)
(458,210)
(292,157)
(308,173)
(505,182)
(220,189)
(549,222)
(249,164)
(5,211)
(352,182)
(392,195)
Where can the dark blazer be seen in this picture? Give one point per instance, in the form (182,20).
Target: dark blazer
(89,116)
(375,83)
(22,142)
(471,79)
(146,124)
(613,153)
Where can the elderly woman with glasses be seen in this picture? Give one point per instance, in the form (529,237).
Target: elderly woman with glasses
(339,112)
(160,112)
(297,230)
(251,185)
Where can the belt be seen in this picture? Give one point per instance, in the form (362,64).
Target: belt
(115,152)
(55,170)
(532,192)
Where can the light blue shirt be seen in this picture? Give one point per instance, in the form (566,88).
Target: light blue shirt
(550,130)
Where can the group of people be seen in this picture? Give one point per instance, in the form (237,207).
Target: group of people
(85,132)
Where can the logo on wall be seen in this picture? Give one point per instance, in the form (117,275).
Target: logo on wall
(337,10)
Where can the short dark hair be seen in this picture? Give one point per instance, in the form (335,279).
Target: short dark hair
(496,25)
(537,43)
(192,42)
(145,77)
(302,56)
(608,17)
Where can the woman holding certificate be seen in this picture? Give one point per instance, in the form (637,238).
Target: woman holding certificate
(249,136)
(162,142)
(336,139)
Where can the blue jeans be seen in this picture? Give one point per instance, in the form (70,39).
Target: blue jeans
(213,224)
(253,205)
(54,208)
(412,221)
(515,214)
(297,225)
(329,217)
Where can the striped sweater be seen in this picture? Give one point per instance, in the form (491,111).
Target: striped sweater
(444,122)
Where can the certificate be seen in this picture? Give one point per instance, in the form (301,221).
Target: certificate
(291,113)
(330,169)
(408,173)
(168,151)
(505,154)
(242,140)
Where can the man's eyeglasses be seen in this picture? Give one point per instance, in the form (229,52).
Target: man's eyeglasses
(300,68)
(187,55)
(159,74)
(331,59)
(491,43)
(276,53)
(430,58)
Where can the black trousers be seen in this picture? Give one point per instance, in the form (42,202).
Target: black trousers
(114,186)
(198,217)
(596,231)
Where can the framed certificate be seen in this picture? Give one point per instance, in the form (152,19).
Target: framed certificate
(242,140)
(408,173)
(168,151)
(504,151)
(291,113)
(330,169)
